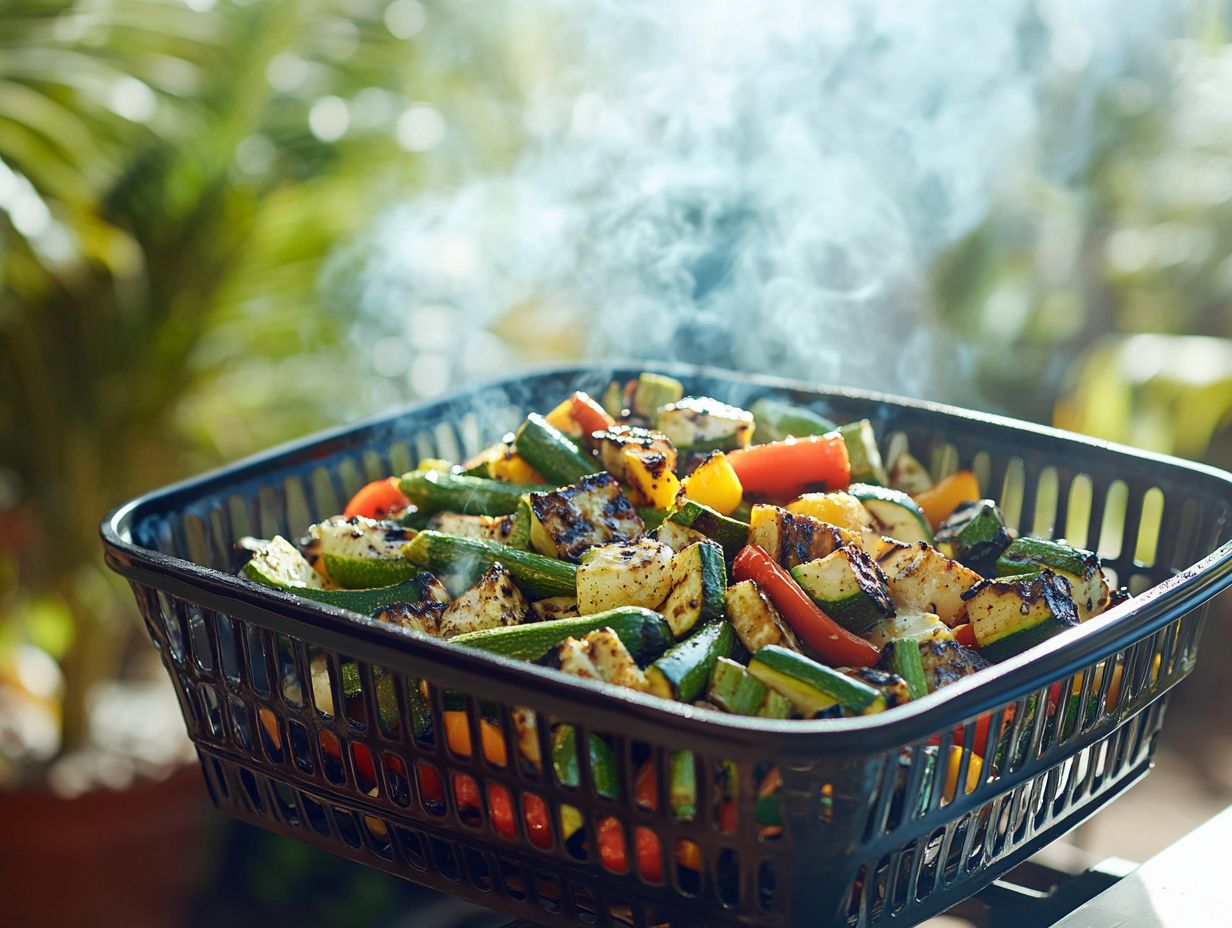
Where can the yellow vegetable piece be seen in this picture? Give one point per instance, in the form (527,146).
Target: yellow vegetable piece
(974,769)
(511,466)
(714,483)
(439,465)
(562,418)
(943,497)
(650,478)
(841,509)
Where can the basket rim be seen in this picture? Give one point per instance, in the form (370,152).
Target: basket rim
(1036,668)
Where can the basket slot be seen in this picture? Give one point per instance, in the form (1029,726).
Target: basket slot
(1013,487)
(215,729)
(199,626)
(297,507)
(1076,525)
(1047,498)
(272,506)
(348,477)
(1147,545)
(1112,527)
(241,724)
(399,456)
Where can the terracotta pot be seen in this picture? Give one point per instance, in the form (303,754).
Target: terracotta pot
(111,857)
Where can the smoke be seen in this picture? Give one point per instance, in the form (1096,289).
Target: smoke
(760,185)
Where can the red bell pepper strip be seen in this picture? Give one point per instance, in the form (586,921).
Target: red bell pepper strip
(965,635)
(590,415)
(785,468)
(377,500)
(834,643)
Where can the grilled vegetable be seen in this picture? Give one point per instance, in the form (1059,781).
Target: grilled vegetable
(1011,615)
(552,453)
(494,602)
(755,620)
(650,477)
(361,553)
(733,689)
(677,536)
(281,566)
(820,632)
(423,618)
(589,415)
(730,534)
(848,586)
(611,443)
(785,469)
(486,528)
(643,632)
(978,534)
(908,474)
(683,672)
(538,576)
(377,500)
(812,687)
(654,391)
(432,491)
(839,508)
(889,683)
(943,497)
(572,656)
(638,574)
(908,623)
(601,757)
(775,421)
(713,483)
(555,607)
(921,577)
(568,521)
(793,539)
(601,655)
(894,513)
(1082,569)
(699,582)
(903,658)
(862,452)
(699,423)
(946,661)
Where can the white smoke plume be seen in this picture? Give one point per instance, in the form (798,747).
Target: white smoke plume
(761,185)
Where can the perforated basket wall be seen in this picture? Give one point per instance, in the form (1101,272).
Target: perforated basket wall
(870,834)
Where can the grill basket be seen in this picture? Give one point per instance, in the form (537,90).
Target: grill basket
(869,834)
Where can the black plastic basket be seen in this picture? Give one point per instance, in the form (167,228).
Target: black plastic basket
(869,834)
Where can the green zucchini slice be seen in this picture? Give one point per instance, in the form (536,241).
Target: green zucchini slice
(551,452)
(684,671)
(1010,615)
(979,536)
(699,423)
(1083,570)
(732,535)
(812,687)
(897,515)
(863,453)
(849,587)
(643,632)
(699,585)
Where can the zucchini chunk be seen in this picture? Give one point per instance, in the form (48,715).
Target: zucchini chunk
(979,536)
(637,574)
(644,633)
(495,601)
(612,443)
(654,391)
(699,582)
(568,521)
(684,671)
(731,534)
(862,452)
(1083,570)
(812,687)
(551,452)
(921,577)
(538,576)
(794,539)
(775,420)
(908,474)
(433,491)
(699,423)
(280,564)
(947,661)
(903,658)
(486,528)
(360,553)
(677,536)
(755,620)
(894,513)
(733,689)
(554,607)
(849,587)
(1009,616)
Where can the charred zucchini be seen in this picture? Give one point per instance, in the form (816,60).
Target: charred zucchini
(699,423)
(812,687)
(848,586)
(551,452)
(730,534)
(1082,569)
(979,536)
(894,513)
(643,632)
(1009,616)
(794,539)
(776,420)
(361,553)
(683,672)
(433,491)
(862,452)
(699,582)
(538,576)
(733,689)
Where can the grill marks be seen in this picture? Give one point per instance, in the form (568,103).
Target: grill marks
(591,512)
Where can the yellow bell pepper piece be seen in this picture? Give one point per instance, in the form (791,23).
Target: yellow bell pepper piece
(974,769)
(943,497)
(650,478)
(512,467)
(714,483)
(841,509)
